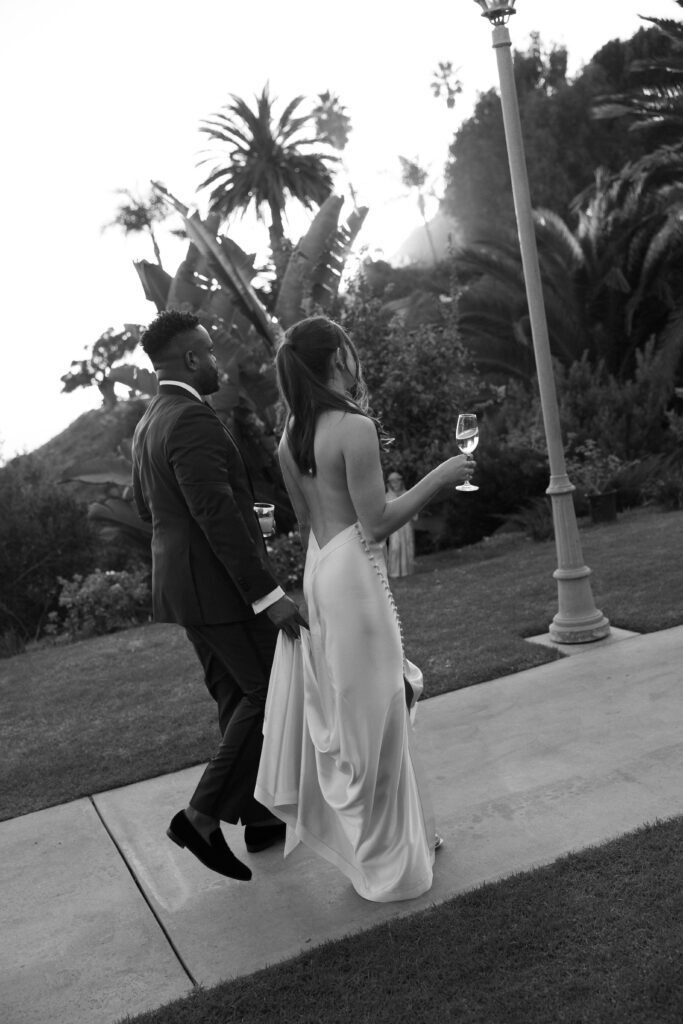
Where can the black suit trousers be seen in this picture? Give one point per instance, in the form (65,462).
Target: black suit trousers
(236,658)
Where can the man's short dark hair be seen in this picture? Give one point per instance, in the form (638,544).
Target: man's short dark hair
(164,328)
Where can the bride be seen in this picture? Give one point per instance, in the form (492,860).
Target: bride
(338,764)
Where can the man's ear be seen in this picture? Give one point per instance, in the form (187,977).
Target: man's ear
(190,360)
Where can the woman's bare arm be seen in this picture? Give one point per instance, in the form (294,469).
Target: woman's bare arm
(365,481)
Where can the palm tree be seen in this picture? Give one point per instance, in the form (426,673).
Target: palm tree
(444,83)
(655,104)
(414,176)
(630,231)
(139,214)
(491,303)
(609,286)
(333,126)
(261,160)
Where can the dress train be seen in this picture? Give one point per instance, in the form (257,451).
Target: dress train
(338,764)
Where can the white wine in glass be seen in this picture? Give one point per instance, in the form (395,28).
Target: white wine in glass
(467,437)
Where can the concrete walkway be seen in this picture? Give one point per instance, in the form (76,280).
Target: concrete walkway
(102,916)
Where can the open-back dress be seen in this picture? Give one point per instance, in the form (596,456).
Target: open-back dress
(338,764)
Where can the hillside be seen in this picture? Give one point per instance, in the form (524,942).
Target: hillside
(93,434)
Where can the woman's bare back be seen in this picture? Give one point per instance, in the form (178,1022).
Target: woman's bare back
(321,501)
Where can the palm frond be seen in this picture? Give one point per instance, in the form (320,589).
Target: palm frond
(672,29)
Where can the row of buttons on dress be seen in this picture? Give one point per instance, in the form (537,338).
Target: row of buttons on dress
(385,582)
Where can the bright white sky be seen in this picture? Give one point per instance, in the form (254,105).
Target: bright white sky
(100,96)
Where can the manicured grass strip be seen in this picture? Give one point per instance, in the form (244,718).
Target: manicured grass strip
(102,713)
(467,611)
(87,717)
(595,938)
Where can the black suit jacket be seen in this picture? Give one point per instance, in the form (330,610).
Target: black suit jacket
(209,561)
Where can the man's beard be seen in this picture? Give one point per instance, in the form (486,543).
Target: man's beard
(211,384)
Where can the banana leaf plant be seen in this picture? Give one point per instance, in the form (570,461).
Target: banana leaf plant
(99,367)
(214,281)
(117,518)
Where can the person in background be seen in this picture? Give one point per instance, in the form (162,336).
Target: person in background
(401,543)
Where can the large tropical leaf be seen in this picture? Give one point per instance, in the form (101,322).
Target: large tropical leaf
(155,282)
(315,267)
(185,292)
(228,270)
(322,287)
(608,287)
(655,102)
(112,470)
(139,380)
(315,243)
(116,517)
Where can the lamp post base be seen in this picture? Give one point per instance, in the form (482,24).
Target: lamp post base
(577,632)
(578,621)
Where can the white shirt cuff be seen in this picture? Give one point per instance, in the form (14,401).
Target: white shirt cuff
(265,602)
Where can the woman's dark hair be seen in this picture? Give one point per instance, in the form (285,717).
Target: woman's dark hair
(303,366)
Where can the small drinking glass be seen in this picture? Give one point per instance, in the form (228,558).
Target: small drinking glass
(467,437)
(266,517)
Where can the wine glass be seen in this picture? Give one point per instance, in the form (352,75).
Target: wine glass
(266,518)
(467,437)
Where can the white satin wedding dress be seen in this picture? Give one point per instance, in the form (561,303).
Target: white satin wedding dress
(337,763)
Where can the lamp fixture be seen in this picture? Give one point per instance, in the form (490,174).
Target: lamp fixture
(498,12)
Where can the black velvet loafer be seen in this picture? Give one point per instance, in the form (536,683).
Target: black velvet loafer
(214,854)
(260,837)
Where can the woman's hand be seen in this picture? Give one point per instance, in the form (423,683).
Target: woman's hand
(456,470)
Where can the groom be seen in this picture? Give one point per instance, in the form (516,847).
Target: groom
(210,574)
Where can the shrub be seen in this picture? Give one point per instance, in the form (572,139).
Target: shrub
(287,558)
(535,518)
(508,477)
(419,379)
(633,482)
(11,642)
(630,415)
(100,603)
(591,467)
(666,483)
(44,534)
(616,434)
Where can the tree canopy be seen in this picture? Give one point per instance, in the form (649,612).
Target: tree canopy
(564,144)
(610,285)
(653,104)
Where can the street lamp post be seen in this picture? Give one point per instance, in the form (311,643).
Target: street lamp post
(577,619)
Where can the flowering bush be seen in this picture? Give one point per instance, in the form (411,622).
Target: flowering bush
(287,558)
(101,603)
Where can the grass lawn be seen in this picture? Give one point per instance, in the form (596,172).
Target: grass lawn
(594,938)
(466,612)
(86,717)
